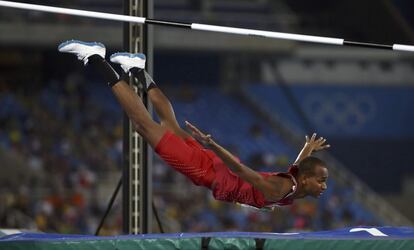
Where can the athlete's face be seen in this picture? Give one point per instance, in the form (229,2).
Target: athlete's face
(316,184)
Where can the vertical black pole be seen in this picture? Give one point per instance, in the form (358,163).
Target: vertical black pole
(126,127)
(137,168)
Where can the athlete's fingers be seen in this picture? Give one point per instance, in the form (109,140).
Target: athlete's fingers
(189,125)
(198,134)
(195,134)
(313,137)
(323,147)
(192,127)
(306,138)
(321,142)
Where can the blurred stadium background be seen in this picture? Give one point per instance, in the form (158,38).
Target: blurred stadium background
(61,129)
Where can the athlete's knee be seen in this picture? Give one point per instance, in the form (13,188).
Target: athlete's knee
(175,128)
(145,126)
(168,125)
(138,128)
(152,132)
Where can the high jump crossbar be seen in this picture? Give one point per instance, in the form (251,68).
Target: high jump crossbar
(206,27)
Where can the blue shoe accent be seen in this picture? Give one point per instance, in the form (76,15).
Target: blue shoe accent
(130,55)
(129,60)
(80,42)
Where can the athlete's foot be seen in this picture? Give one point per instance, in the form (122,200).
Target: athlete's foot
(134,64)
(83,50)
(129,60)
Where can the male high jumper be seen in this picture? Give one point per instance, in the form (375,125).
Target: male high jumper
(212,166)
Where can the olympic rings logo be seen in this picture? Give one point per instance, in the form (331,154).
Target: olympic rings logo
(340,112)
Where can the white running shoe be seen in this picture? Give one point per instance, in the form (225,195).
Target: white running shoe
(129,60)
(83,50)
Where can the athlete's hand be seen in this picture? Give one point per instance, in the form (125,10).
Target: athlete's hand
(316,144)
(195,132)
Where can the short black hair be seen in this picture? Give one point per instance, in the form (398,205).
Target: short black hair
(307,166)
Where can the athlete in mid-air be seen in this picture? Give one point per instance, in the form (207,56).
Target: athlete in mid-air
(210,165)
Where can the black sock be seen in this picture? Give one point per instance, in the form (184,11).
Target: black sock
(144,78)
(104,68)
(124,76)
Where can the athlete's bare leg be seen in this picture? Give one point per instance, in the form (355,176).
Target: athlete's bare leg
(137,113)
(135,64)
(165,112)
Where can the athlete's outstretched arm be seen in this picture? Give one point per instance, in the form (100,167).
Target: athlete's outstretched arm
(311,144)
(269,189)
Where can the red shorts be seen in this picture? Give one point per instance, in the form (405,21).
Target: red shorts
(188,157)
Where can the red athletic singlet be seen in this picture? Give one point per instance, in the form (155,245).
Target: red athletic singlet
(205,168)
(230,187)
